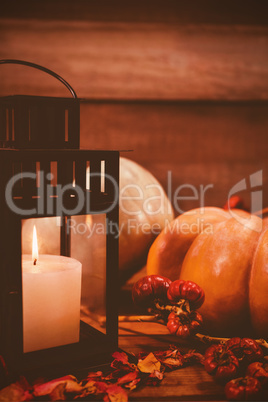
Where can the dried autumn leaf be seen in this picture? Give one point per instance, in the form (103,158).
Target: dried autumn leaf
(159,375)
(101,386)
(95,375)
(161,355)
(115,394)
(171,359)
(71,386)
(133,384)
(121,367)
(149,364)
(58,393)
(92,387)
(19,391)
(130,380)
(121,363)
(88,389)
(173,363)
(121,356)
(114,375)
(116,364)
(154,378)
(193,357)
(133,375)
(142,355)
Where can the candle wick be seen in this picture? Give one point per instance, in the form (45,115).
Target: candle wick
(35,261)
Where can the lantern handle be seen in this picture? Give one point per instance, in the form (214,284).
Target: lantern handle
(44,69)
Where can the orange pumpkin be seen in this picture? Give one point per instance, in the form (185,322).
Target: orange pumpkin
(229,261)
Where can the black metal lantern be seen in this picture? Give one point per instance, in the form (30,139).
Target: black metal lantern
(43,174)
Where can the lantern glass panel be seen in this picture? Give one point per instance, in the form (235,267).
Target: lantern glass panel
(63,296)
(88,245)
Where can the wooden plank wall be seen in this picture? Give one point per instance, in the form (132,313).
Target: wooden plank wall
(200,143)
(185,86)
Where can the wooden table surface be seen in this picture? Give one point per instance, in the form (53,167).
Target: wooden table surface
(189,383)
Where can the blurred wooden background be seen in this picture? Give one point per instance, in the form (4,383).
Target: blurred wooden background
(182,84)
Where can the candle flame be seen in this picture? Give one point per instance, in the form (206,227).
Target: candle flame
(34,247)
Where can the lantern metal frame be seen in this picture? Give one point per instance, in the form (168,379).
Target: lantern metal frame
(27,146)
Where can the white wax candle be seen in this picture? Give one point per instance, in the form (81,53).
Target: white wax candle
(51,294)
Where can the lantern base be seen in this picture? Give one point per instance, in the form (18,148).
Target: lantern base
(94,349)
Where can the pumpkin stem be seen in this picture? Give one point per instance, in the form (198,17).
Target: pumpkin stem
(211,339)
(177,310)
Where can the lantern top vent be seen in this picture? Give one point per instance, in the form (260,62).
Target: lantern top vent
(39,122)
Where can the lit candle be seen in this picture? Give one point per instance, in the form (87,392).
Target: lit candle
(51,294)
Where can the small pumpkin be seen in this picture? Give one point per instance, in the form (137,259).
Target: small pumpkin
(229,261)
